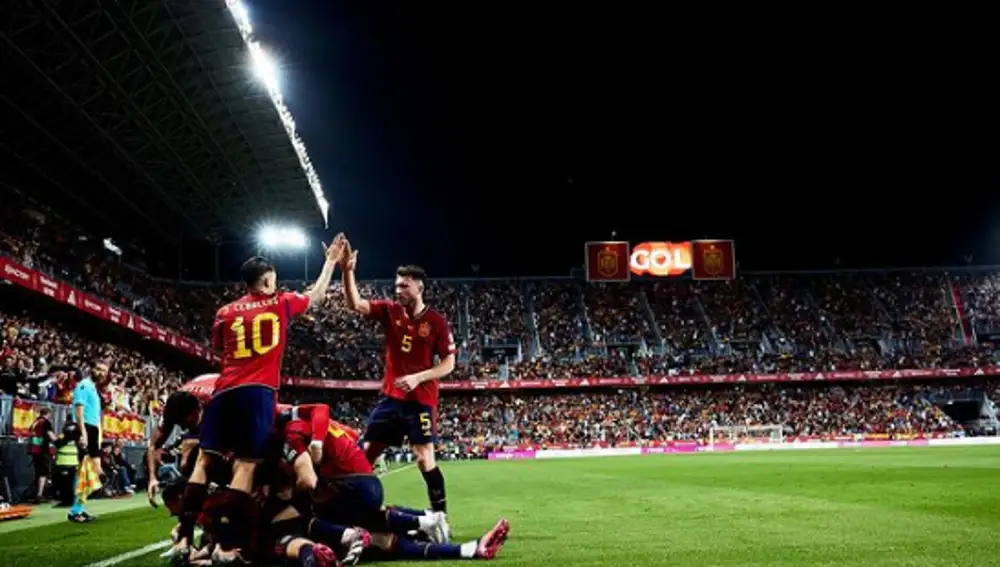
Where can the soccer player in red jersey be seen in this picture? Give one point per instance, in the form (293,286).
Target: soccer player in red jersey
(347,493)
(414,336)
(250,334)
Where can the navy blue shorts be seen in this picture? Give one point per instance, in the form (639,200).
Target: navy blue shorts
(353,500)
(239,422)
(393,419)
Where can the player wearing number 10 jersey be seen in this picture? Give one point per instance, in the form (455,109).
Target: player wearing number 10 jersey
(249,334)
(414,336)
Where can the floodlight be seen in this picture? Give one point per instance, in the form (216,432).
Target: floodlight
(294,238)
(269,237)
(278,238)
(264,67)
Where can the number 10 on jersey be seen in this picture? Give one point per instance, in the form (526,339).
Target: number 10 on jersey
(260,342)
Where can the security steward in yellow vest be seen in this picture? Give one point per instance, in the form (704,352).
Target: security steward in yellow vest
(67,459)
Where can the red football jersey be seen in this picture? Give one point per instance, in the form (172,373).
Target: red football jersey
(341,454)
(410,346)
(202,387)
(250,333)
(318,416)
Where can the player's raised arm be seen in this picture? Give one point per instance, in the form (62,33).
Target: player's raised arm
(333,254)
(351,295)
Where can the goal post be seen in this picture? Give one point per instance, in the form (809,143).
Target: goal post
(747,434)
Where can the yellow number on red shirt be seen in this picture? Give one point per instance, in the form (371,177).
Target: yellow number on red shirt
(335,431)
(406,343)
(257,339)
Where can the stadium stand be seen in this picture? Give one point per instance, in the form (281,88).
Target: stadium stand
(543,328)
(558,328)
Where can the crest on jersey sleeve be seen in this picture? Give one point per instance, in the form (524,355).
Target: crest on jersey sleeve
(425,329)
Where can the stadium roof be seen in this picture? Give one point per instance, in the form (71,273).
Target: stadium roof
(146,116)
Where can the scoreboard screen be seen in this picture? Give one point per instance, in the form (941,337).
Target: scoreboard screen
(616,261)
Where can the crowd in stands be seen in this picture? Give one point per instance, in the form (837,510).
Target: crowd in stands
(528,329)
(42,360)
(480,422)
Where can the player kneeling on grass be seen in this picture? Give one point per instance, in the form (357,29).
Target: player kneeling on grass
(347,492)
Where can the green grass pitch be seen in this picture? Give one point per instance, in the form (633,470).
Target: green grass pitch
(894,507)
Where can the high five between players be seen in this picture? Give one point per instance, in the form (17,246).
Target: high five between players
(419,350)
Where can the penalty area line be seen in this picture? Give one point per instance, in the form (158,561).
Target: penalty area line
(166,543)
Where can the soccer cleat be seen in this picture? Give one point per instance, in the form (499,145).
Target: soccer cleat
(438,531)
(444,529)
(323,556)
(490,544)
(81,518)
(180,554)
(353,544)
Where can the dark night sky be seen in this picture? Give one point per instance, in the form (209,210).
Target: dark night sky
(448,134)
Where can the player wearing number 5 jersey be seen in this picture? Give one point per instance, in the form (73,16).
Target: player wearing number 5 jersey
(249,335)
(415,336)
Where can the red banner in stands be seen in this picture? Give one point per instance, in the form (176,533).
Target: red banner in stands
(36,281)
(713,260)
(631,382)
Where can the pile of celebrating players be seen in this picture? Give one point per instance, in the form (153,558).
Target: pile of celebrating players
(294,485)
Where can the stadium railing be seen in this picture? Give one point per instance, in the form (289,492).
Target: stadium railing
(16,417)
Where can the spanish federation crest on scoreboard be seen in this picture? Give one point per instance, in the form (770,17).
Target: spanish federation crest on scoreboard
(714,261)
(607,262)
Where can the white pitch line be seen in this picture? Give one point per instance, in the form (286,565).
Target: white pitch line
(131,554)
(394,471)
(165,543)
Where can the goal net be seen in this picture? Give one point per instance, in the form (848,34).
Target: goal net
(746,434)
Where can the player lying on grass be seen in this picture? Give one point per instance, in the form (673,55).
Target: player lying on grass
(346,492)
(419,351)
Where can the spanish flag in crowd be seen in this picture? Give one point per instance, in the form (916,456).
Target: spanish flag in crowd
(24,416)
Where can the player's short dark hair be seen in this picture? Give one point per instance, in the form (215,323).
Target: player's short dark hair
(411,271)
(254,269)
(179,406)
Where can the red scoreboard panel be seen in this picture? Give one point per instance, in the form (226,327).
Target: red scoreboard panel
(607,261)
(713,259)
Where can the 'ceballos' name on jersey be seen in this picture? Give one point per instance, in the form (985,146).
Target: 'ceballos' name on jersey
(251,333)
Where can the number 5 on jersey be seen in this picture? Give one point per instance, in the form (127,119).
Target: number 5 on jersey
(406,343)
(261,343)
